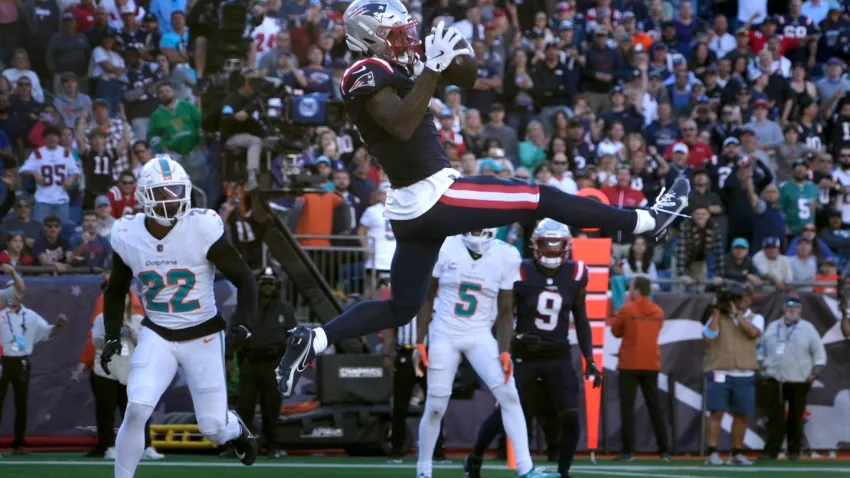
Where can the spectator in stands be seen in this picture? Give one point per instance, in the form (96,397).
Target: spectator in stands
(789,152)
(679,167)
(54,171)
(699,239)
(798,198)
(122,196)
(702,196)
(141,154)
(71,103)
(835,238)
(698,152)
(345,219)
(828,272)
(772,265)
(103,210)
(498,130)
(107,71)
(90,249)
(21,69)
(51,249)
(819,248)
(98,162)
(804,265)
(744,182)
(68,52)
(245,232)
(730,365)
(21,222)
(15,254)
(175,43)
(180,79)
(639,324)
(739,266)
(26,107)
(638,262)
(377,238)
(140,99)
(832,87)
(115,129)
(562,178)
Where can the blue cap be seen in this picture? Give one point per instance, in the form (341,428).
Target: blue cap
(741,242)
(453,89)
(446,113)
(323,159)
(702,99)
(566,25)
(834,61)
(770,242)
(491,164)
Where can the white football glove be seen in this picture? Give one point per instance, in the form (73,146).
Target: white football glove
(440,47)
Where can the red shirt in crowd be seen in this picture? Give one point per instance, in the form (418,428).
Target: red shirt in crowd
(452,137)
(698,153)
(122,205)
(24,260)
(624,198)
(758,41)
(84,15)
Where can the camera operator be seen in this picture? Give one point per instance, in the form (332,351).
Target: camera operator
(240,127)
(259,358)
(731,331)
(794,357)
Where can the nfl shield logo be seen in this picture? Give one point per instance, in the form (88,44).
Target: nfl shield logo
(159,248)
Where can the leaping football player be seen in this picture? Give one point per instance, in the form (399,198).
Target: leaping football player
(471,289)
(550,288)
(174,252)
(429,200)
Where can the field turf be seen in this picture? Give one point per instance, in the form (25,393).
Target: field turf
(53,465)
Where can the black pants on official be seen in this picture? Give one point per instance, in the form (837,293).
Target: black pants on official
(257,381)
(16,372)
(109,396)
(404,380)
(778,426)
(629,381)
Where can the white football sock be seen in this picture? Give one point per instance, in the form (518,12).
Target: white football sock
(514,422)
(130,442)
(429,431)
(232,429)
(645,221)
(320,340)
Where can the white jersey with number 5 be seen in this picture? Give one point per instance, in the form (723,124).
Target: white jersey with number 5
(468,288)
(176,276)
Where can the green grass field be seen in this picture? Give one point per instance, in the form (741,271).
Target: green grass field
(52,465)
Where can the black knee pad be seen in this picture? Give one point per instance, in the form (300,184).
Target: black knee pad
(569,418)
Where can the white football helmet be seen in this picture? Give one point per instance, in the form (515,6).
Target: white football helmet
(164,190)
(381,28)
(479,241)
(551,242)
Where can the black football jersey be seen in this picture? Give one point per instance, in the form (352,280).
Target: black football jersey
(812,136)
(544,303)
(405,161)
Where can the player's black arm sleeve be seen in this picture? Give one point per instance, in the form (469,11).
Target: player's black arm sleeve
(120,278)
(229,262)
(585,339)
(402,116)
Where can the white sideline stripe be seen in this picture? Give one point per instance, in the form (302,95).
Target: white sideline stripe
(644,475)
(589,469)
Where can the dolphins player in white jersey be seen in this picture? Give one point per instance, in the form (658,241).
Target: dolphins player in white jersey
(174,252)
(472,284)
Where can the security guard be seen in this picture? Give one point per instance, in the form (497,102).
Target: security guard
(259,358)
(20,329)
(402,340)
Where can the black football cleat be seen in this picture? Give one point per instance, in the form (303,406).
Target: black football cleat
(472,467)
(299,354)
(245,445)
(668,206)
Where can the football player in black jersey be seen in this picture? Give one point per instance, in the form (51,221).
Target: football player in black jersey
(429,201)
(550,289)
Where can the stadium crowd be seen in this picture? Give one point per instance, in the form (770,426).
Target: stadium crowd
(610,99)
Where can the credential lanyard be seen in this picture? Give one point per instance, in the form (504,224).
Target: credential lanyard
(788,335)
(23,323)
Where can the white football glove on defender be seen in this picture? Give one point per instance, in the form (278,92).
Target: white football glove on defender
(440,47)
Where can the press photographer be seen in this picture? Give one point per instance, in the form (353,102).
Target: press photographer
(240,125)
(732,331)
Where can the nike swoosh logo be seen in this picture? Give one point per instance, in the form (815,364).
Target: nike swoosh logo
(437,55)
(362,68)
(303,365)
(206,341)
(240,455)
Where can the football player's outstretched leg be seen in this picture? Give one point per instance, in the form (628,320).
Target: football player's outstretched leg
(174,251)
(386,95)
(471,289)
(551,289)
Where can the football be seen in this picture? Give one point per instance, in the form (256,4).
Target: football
(463,71)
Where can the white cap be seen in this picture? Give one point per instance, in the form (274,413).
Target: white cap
(680,148)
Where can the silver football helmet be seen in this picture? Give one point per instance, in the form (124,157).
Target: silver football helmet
(551,242)
(381,28)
